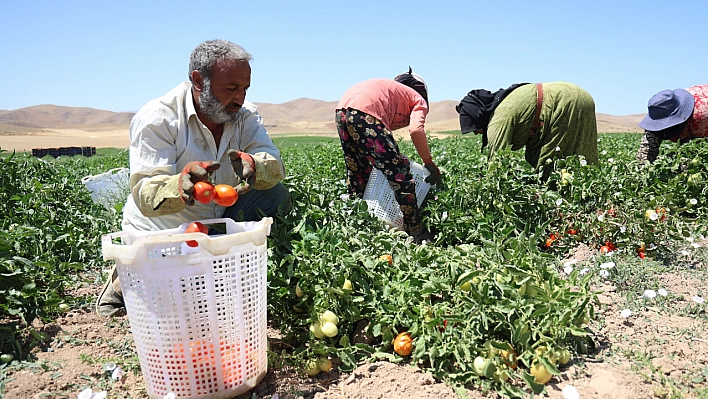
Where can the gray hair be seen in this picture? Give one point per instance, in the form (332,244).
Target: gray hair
(207,53)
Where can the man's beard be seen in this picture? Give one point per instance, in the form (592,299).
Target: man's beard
(213,109)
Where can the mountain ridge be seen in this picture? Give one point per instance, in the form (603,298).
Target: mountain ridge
(305,115)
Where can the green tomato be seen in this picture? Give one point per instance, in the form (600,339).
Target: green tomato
(325,364)
(695,178)
(564,356)
(483,367)
(531,291)
(501,376)
(298,291)
(329,316)
(316,329)
(538,370)
(64,307)
(478,365)
(566,178)
(6,358)
(522,289)
(347,286)
(466,286)
(313,368)
(582,320)
(329,329)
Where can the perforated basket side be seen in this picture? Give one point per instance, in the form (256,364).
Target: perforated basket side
(198,320)
(381,199)
(109,188)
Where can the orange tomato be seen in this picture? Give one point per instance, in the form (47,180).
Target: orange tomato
(572,232)
(641,252)
(662,213)
(386,258)
(203,192)
(195,227)
(510,358)
(403,344)
(605,249)
(225,195)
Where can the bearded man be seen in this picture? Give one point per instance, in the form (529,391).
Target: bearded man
(184,137)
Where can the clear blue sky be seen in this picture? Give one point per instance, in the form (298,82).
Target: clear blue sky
(118,55)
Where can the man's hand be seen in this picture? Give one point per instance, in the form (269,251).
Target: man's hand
(194,172)
(245,168)
(434,177)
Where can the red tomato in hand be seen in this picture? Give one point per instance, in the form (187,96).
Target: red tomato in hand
(196,227)
(225,195)
(203,192)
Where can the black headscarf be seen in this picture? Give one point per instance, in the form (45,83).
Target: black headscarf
(477,107)
(415,82)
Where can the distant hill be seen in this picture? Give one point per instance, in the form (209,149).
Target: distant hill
(55,116)
(303,115)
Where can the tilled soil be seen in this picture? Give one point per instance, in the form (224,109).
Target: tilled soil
(673,344)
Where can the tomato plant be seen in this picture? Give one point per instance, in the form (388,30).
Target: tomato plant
(484,279)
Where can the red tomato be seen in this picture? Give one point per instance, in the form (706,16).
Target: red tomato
(203,192)
(572,232)
(641,252)
(662,213)
(196,227)
(444,326)
(552,237)
(225,195)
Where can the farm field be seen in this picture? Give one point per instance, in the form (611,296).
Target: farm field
(596,278)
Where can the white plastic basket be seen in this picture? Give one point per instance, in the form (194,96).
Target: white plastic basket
(381,200)
(198,315)
(110,188)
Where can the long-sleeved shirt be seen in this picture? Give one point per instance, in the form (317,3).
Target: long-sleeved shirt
(568,124)
(165,135)
(395,105)
(697,126)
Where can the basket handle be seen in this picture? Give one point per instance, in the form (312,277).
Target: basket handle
(109,173)
(231,226)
